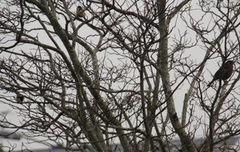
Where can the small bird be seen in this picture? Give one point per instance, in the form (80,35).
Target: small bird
(19,98)
(80,12)
(223,73)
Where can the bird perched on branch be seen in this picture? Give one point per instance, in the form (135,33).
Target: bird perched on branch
(80,12)
(223,73)
(19,98)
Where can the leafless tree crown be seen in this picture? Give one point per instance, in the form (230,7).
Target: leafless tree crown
(130,73)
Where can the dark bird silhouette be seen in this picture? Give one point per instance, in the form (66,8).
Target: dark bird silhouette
(19,98)
(223,73)
(80,12)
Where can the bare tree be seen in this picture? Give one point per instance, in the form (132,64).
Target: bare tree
(129,72)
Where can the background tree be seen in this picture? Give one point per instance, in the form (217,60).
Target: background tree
(122,73)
